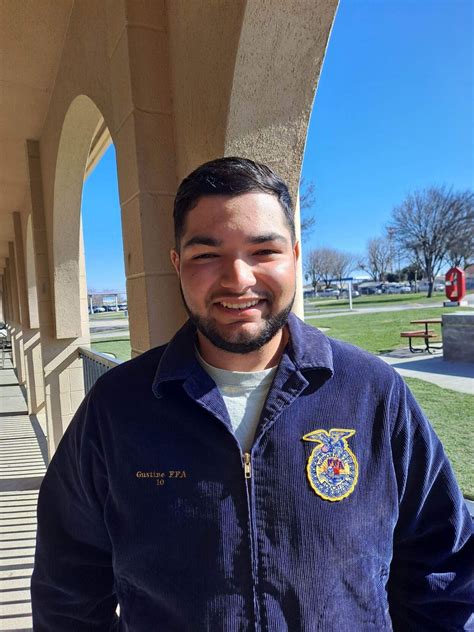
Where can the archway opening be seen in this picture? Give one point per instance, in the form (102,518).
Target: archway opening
(104,261)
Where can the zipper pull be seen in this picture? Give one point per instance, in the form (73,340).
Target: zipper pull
(247,468)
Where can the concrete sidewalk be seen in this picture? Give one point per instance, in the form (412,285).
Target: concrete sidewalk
(22,467)
(457,376)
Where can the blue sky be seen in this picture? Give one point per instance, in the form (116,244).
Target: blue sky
(102,227)
(393,113)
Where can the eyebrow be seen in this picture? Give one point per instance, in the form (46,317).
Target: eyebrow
(260,239)
(203,240)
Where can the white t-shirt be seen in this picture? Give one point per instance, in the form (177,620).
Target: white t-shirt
(244,394)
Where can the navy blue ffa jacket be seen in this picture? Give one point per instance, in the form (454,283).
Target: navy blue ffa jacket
(345,516)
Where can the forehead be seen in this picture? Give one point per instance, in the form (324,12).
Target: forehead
(249,213)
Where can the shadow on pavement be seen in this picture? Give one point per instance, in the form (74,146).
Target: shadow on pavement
(436,365)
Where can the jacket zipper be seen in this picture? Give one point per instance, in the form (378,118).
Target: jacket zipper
(247,461)
(247,466)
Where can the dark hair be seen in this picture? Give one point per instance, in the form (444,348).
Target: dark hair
(229,176)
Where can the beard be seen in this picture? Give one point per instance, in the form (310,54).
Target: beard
(242,342)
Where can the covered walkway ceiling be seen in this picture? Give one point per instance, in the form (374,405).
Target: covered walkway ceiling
(31,41)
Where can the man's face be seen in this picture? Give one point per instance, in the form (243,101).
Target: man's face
(237,269)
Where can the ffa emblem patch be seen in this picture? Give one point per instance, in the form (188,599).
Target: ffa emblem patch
(332,468)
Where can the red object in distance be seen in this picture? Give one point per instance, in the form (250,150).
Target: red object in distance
(455,284)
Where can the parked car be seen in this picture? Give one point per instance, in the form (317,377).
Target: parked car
(370,289)
(329,293)
(98,310)
(355,293)
(405,289)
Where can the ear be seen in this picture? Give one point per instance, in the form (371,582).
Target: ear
(296,250)
(174,256)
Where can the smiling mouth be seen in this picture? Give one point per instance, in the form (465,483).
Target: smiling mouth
(240,306)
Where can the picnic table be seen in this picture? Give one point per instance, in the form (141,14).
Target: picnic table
(426,334)
(427,321)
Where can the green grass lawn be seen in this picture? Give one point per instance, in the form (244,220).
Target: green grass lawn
(381,300)
(120,347)
(107,315)
(377,332)
(452,416)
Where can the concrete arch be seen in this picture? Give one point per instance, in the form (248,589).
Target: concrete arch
(278,63)
(69,283)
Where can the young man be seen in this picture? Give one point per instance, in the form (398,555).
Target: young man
(252,474)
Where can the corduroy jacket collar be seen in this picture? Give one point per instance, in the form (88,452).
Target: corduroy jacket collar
(307,349)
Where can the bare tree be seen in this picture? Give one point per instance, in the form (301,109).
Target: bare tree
(312,269)
(428,223)
(413,273)
(461,250)
(96,296)
(307,200)
(378,259)
(325,264)
(343,264)
(319,265)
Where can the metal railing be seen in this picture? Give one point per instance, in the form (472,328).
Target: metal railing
(5,343)
(94,365)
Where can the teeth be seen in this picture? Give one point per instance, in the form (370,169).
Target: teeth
(240,305)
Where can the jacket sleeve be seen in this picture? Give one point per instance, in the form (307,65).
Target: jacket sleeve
(431,585)
(72,586)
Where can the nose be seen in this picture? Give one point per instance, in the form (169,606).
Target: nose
(237,275)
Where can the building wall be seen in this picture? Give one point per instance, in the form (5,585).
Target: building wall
(177,83)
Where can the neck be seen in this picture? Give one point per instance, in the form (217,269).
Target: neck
(268,356)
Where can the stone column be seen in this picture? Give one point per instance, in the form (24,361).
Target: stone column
(6,290)
(13,283)
(144,140)
(16,331)
(9,307)
(31,335)
(20,278)
(62,368)
(2,300)
(18,339)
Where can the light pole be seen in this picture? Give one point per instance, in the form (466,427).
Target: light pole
(391,233)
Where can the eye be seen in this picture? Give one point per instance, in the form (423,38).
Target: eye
(266,252)
(205,255)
